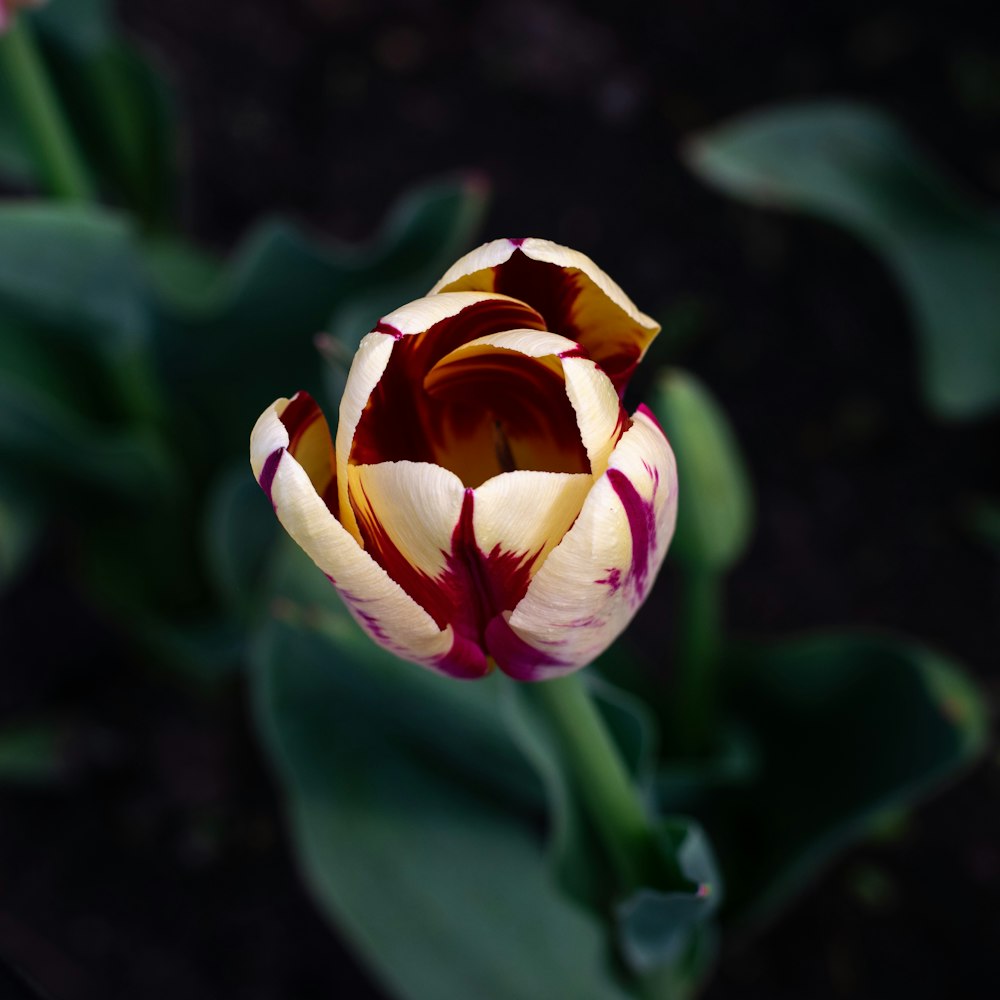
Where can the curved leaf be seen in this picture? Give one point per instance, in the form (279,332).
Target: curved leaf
(407,804)
(856,167)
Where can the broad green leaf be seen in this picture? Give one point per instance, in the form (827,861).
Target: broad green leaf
(76,391)
(715,508)
(409,813)
(47,442)
(847,727)
(73,269)
(117,108)
(856,167)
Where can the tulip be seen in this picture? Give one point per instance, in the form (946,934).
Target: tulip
(487,499)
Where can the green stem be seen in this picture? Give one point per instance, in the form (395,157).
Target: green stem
(612,800)
(55,152)
(697,659)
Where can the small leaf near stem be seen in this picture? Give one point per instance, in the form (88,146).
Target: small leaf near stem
(53,146)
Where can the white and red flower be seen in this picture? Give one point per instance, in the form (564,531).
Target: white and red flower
(487,498)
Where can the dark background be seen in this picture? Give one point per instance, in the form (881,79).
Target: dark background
(159,868)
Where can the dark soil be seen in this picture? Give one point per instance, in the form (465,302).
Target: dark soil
(159,868)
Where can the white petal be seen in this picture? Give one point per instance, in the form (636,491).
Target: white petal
(373,355)
(416,504)
(366,370)
(593,582)
(553,253)
(382,608)
(599,412)
(578,299)
(527,513)
(421,314)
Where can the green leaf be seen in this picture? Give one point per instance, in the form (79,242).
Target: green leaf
(240,528)
(428,229)
(847,728)
(715,507)
(856,167)
(265,309)
(124,116)
(73,270)
(76,390)
(413,814)
(49,443)
(658,928)
(118,108)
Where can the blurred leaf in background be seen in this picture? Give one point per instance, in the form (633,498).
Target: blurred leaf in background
(414,815)
(120,110)
(845,727)
(856,167)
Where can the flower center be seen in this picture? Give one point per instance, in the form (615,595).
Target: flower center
(478,411)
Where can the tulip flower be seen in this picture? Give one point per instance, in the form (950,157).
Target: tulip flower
(487,500)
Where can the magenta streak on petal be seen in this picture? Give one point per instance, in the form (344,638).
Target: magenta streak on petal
(481,584)
(464,661)
(574,352)
(515,657)
(642,524)
(382,327)
(268,472)
(517,242)
(651,416)
(613,580)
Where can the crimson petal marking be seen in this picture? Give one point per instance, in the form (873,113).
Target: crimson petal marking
(577,298)
(397,420)
(378,603)
(407,513)
(590,586)
(515,657)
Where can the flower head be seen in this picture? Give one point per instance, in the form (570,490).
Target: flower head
(487,498)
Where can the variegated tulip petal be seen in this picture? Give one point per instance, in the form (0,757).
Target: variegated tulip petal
(386,415)
(367,369)
(599,413)
(463,555)
(600,418)
(380,605)
(576,298)
(593,582)
(502,405)
(408,513)
(522,516)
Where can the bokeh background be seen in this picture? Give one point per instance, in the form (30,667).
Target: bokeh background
(157,866)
